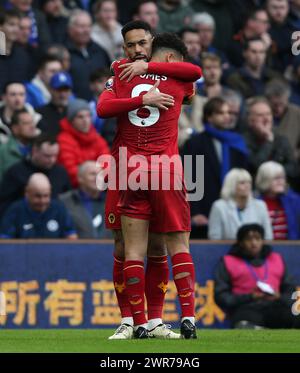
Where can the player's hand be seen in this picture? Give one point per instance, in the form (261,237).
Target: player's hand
(158,99)
(199,220)
(132,69)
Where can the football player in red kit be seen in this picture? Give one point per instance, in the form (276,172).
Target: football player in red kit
(149,134)
(138,38)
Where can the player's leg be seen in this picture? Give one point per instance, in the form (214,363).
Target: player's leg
(113,222)
(135,233)
(156,282)
(172,212)
(184,278)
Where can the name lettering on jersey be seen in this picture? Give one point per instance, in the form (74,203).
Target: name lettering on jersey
(154,77)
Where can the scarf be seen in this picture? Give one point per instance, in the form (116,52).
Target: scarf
(229,140)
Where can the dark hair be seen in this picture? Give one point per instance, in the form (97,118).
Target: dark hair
(212,106)
(6,14)
(42,139)
(99,74)
(15,119)
(136,25)
(47,59)
(247,42)
(168,40)
(136,9)
(181,32)
(7,84)
(245,229)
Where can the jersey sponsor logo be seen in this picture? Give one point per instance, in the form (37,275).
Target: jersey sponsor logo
(52,225)
(26,227)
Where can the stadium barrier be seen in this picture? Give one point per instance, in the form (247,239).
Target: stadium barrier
(63,284)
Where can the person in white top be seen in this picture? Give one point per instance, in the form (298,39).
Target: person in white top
(237,207)
(106,31)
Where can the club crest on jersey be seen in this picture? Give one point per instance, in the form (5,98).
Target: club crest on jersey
(109,84)
(111,218)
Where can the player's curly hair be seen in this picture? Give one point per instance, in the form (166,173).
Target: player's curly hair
(168,40)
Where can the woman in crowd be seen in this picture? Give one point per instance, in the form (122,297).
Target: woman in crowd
(237,207)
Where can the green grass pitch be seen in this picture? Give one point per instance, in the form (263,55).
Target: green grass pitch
(67,340)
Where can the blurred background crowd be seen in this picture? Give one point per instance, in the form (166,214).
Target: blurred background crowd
(244,119)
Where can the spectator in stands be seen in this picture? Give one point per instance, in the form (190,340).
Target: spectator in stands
(294,16)
(62,54)
(235,103)
(256,25)
(37,216)
(106,31)
(61,91)
(211,85)
(283,203)
(222,151)
(241,9)
(147,11)
(173,15)
(280,31)
(86,204)
(251,78)
(205,25)
(19,142)
(57,19)
(295,81)
(191,39)
(236,208)
(40,35)
(25,25)
(221,13)
(43,159)
(38,90)
(86,55)
(286,115)
(190,120)
(17,64)
(106,127)
(13,99)
(253,285)
(262,142)
(78,139)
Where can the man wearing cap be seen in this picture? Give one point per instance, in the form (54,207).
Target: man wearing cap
(78,139)
(52,113)
(252,284)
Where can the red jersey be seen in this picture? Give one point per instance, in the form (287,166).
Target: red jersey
(147,130)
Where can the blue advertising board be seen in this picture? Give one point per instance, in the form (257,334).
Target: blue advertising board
(69,285)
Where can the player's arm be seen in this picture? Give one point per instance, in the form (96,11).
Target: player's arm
(109,105)
(184,71)
(189,93)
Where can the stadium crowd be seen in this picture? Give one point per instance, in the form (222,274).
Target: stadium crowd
(244,117)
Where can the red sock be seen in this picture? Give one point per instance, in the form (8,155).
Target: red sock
(135,285)
(120,289)
(183,263)
(156,282)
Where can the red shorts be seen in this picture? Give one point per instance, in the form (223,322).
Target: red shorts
(167,210)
